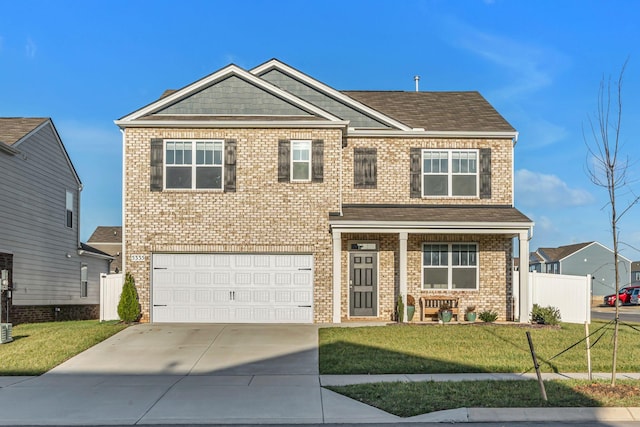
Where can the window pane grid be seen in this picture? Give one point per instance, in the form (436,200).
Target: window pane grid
(185,171)
(450,266)
(300,160)
(449,173)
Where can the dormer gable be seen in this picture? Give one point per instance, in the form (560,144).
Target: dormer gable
(228,94)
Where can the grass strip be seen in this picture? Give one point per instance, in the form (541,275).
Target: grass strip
(38,347)
(415,398)
(468,348)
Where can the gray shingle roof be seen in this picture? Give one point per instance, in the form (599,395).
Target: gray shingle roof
(104,234)
(556,254)
(12,129)
(430,213)
(436,111)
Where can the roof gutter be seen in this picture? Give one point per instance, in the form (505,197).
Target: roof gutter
(95,255)
(381,225)
(513,135)
(8,149)
(340,124)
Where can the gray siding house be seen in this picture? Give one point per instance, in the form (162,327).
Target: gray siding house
(581,259)
(52,275)
(108,239)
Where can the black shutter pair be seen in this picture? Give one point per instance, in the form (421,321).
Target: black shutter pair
(284,160)
(365,168)
(157,166)
(416,173)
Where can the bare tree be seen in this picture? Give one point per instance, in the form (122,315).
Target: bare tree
(607,168)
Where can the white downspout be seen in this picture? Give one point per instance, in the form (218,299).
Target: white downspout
(123,213)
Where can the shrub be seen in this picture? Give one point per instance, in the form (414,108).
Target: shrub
(488,316)
(545,315)
(400,308)
(128,307)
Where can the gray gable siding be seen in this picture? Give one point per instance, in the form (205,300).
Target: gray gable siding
(599,263)
(33,223)
(234,96)
(311,95)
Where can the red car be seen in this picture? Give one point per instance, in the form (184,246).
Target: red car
(624,296)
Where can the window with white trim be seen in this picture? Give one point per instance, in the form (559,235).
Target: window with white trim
(450,266)
(84,281)
(69,209)
(300,160)
(204,170)
(451,173)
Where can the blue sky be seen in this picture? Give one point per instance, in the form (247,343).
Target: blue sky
(539,63)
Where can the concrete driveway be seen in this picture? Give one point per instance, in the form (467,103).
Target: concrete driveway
(187,349)
(157,374)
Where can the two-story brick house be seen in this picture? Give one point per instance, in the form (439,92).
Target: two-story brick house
(268,196)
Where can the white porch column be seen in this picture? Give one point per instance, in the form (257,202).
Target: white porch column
(525,291)
(337,275)
(403,270)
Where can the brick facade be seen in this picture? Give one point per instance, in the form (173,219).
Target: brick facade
(263,215)
(52,313)
(393,170)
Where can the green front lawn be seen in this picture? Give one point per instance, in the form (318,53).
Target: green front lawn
(410,399)
(479,347)
(39,347)
(476,347)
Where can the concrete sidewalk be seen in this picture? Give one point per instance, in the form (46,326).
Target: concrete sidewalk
(66,399)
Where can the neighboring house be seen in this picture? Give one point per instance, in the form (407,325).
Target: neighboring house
(267,196)
(581,259)
(109,240)
(635,272)
(52,275)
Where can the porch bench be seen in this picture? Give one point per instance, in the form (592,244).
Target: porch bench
(430,306)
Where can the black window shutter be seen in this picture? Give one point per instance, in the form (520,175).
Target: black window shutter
(485,173)
(230,146)
(415,177)
(365,168)
(157,167)
(317,160)
(284,159)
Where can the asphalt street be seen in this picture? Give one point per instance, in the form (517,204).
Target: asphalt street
(628,313)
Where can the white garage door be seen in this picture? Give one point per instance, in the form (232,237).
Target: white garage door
(232,288)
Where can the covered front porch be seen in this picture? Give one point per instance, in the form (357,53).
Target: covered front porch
(381,252)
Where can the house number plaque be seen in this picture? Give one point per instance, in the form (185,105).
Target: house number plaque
(138,257)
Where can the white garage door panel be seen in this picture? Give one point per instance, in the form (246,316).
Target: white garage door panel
(233,288)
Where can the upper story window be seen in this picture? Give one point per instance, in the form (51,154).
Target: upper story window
(450,173)
(450,266)
(300,160)
(188,170)
(69,207)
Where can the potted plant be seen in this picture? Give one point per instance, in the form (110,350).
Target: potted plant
(411,307)
(445,314)
(470,314)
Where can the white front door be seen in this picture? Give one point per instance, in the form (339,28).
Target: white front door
(232,288)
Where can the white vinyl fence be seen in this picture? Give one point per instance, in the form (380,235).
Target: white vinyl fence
(570,294)
(110,290)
